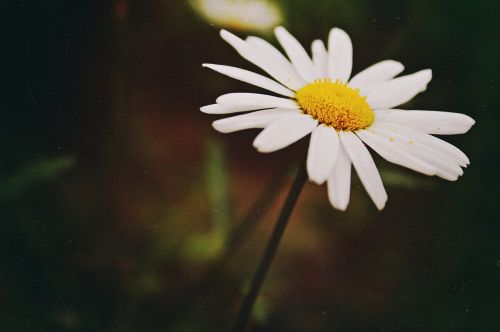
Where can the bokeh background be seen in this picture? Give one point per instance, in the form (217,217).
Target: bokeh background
(121,209)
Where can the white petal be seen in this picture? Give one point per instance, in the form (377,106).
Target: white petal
(373,76)
(227,109)
(258,58)
(256,99)
(365,167)
(264,46)
(340,55)
(446,168)
(297,55)
(391,152)
(252,78)
(399,90)
(339,181)
(323,149)
(284,132)
(258,119)
(433,142)
(387,111)
(295,81)
(431,122)
(320,57)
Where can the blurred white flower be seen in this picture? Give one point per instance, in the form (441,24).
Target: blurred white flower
(251,15)
(342,114)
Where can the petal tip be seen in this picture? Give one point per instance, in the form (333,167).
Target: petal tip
(205,109)
(337,31)
(316,180)
(221,99)
(261,146)
(217,125)
(279,29)
(380,204)
(397,65)
(228,36)
(317,43)
(427,73)
(262,149)
(338,203)
(340,206)
(427,77)
(470,121)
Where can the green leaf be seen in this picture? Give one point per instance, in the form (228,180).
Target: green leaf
(14,185)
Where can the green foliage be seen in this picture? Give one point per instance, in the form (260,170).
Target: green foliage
(209,244)
(44,171)
(404,179)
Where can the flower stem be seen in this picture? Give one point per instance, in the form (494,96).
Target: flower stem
(271,248)
(185,301)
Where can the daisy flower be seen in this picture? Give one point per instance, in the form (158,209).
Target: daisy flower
(344,115)
(253,15)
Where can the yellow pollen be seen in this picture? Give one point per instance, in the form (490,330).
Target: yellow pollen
(335,104)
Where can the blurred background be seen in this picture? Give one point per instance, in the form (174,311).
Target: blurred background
(121,209)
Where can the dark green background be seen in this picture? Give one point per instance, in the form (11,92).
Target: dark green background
(115,192)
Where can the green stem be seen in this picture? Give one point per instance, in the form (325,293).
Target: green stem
(186,300)
(271,248)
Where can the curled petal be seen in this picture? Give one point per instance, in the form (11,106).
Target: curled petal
(399,90)
(388,150)
(297,55)
(251,78)
(375,75)
(260,59)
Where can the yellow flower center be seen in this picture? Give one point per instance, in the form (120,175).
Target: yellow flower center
(335,104)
